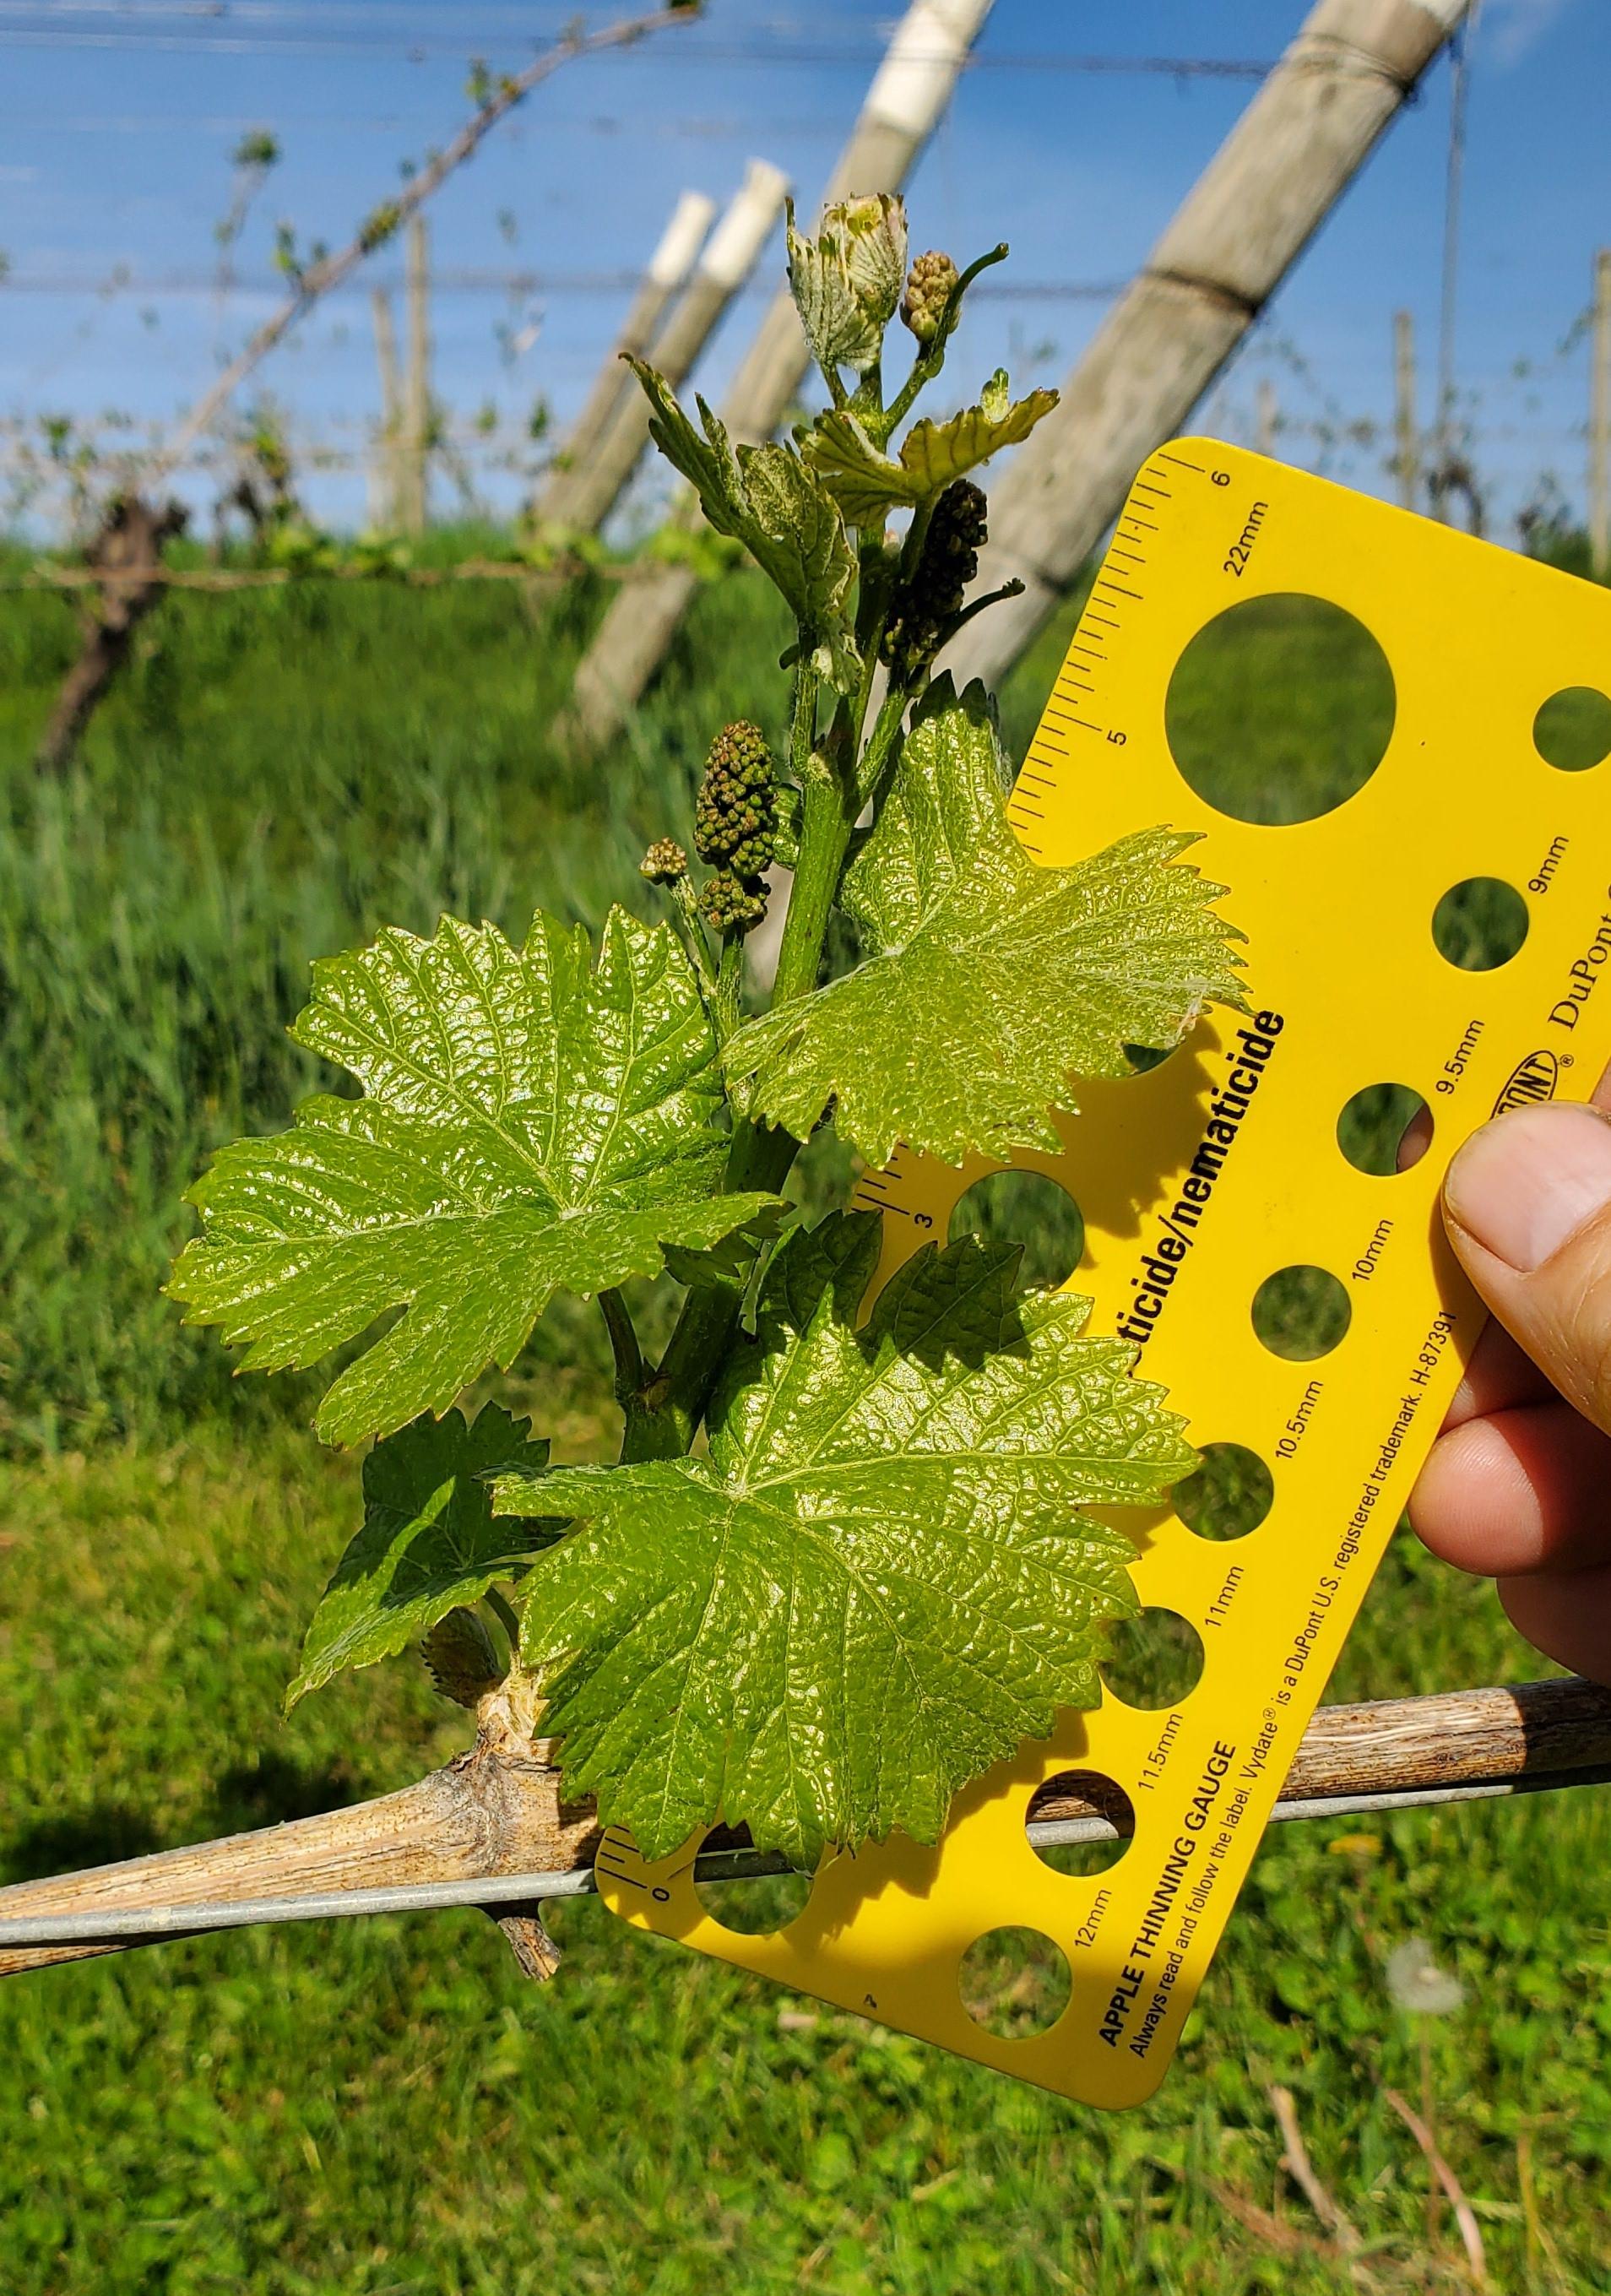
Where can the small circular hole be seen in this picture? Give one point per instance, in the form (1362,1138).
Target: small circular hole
(753,1906)
(1015,1982)
(1154,1659)
(1384,1129)
(1027,1208)
(1573,729)
(1230,1494)
(1075,1797)
(1480,923)
(1301,1312)
(1279,709)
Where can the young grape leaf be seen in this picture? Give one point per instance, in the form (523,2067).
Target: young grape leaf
(765,498)
(846,282)
(876,1584)
(867,484)
(429,1541)
(529,1125)
(988,982)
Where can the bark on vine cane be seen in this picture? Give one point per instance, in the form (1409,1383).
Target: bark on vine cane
(128,551)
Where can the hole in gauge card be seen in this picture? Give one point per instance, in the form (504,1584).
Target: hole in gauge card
(749,1906)
(1077,1799)
(1572,731)
(1015,1982)
(1027,1208)
(1384,1129)
(1301,1312)
(1154,1659)
(1480,923)
(1279,709)
(1229,1495)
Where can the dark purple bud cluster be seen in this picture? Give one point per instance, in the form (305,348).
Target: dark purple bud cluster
(924,608)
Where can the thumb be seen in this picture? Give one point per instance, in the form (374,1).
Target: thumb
(1527,1204)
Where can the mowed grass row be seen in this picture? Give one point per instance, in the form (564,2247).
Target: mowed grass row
(387,2106)
(366,2108)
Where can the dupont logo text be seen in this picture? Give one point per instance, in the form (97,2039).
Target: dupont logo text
(1533,1079)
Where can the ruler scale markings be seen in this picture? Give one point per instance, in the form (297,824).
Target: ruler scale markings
(888,1937)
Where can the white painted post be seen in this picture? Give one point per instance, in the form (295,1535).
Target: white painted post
(733,250)
(904,104)
(1282,169)
(667,273)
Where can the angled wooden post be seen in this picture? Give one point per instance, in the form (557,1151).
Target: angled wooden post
(910,91)
(416,382)
(384,504)
(730,255)
(1278,174)
(667,273)
(1406,427)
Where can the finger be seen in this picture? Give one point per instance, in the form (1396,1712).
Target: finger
(1500,1373)
(1524,1491)
(1568,1618)
(1499,1376)
(1528,1205)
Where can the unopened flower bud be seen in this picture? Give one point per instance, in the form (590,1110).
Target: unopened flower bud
(735,813)
(930,286)
(664,862)
(732,903)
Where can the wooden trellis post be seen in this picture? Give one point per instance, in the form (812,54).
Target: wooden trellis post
(1282,169)
(384,504)
(667,273)
(1406,428)
(490,1829)
(904,104)
(416,383)
(732,254)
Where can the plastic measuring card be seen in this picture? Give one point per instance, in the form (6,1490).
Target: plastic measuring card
(1220,1167)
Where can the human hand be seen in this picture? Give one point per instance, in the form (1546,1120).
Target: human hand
(1518,1484)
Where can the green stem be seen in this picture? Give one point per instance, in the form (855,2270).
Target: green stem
(881,745)
(624,1346)
(500,1608)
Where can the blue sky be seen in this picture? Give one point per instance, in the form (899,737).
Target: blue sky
(116,122)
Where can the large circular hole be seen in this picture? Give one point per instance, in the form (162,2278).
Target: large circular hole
(1154,1659)
(1279,709)
(1030,1209)
(1229,1495)
(751,1906)
(1480,923)
(1014,1983)
(1074,1800)
(1301,1312)
(1384,1129)
(1573,729)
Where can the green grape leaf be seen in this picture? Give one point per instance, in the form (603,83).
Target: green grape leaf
(987,982)
(933,453)
(846,282)
(764,498)
(867,483)
(876,1584)
(528,1125)
(428,1540)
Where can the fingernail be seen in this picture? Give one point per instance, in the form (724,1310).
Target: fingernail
(1528,1180)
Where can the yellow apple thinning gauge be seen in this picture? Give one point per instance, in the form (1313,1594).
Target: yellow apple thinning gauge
(1214,1170)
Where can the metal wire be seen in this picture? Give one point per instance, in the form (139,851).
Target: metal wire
(128,1924)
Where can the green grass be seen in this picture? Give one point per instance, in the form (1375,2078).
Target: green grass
(386,2106)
